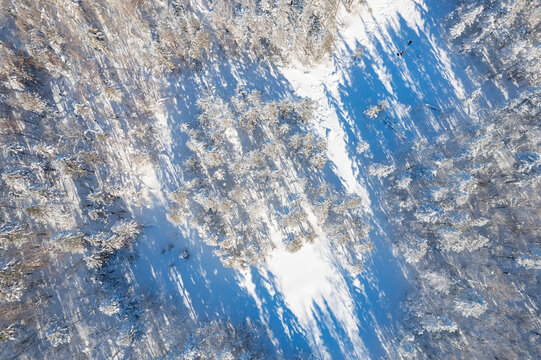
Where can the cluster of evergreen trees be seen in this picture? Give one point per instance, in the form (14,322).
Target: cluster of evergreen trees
(255,181)
(467,206)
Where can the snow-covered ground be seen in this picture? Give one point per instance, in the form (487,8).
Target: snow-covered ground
(391,84)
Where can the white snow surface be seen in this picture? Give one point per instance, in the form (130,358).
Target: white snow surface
(390,54)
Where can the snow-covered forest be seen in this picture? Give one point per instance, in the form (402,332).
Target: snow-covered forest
(270,179)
